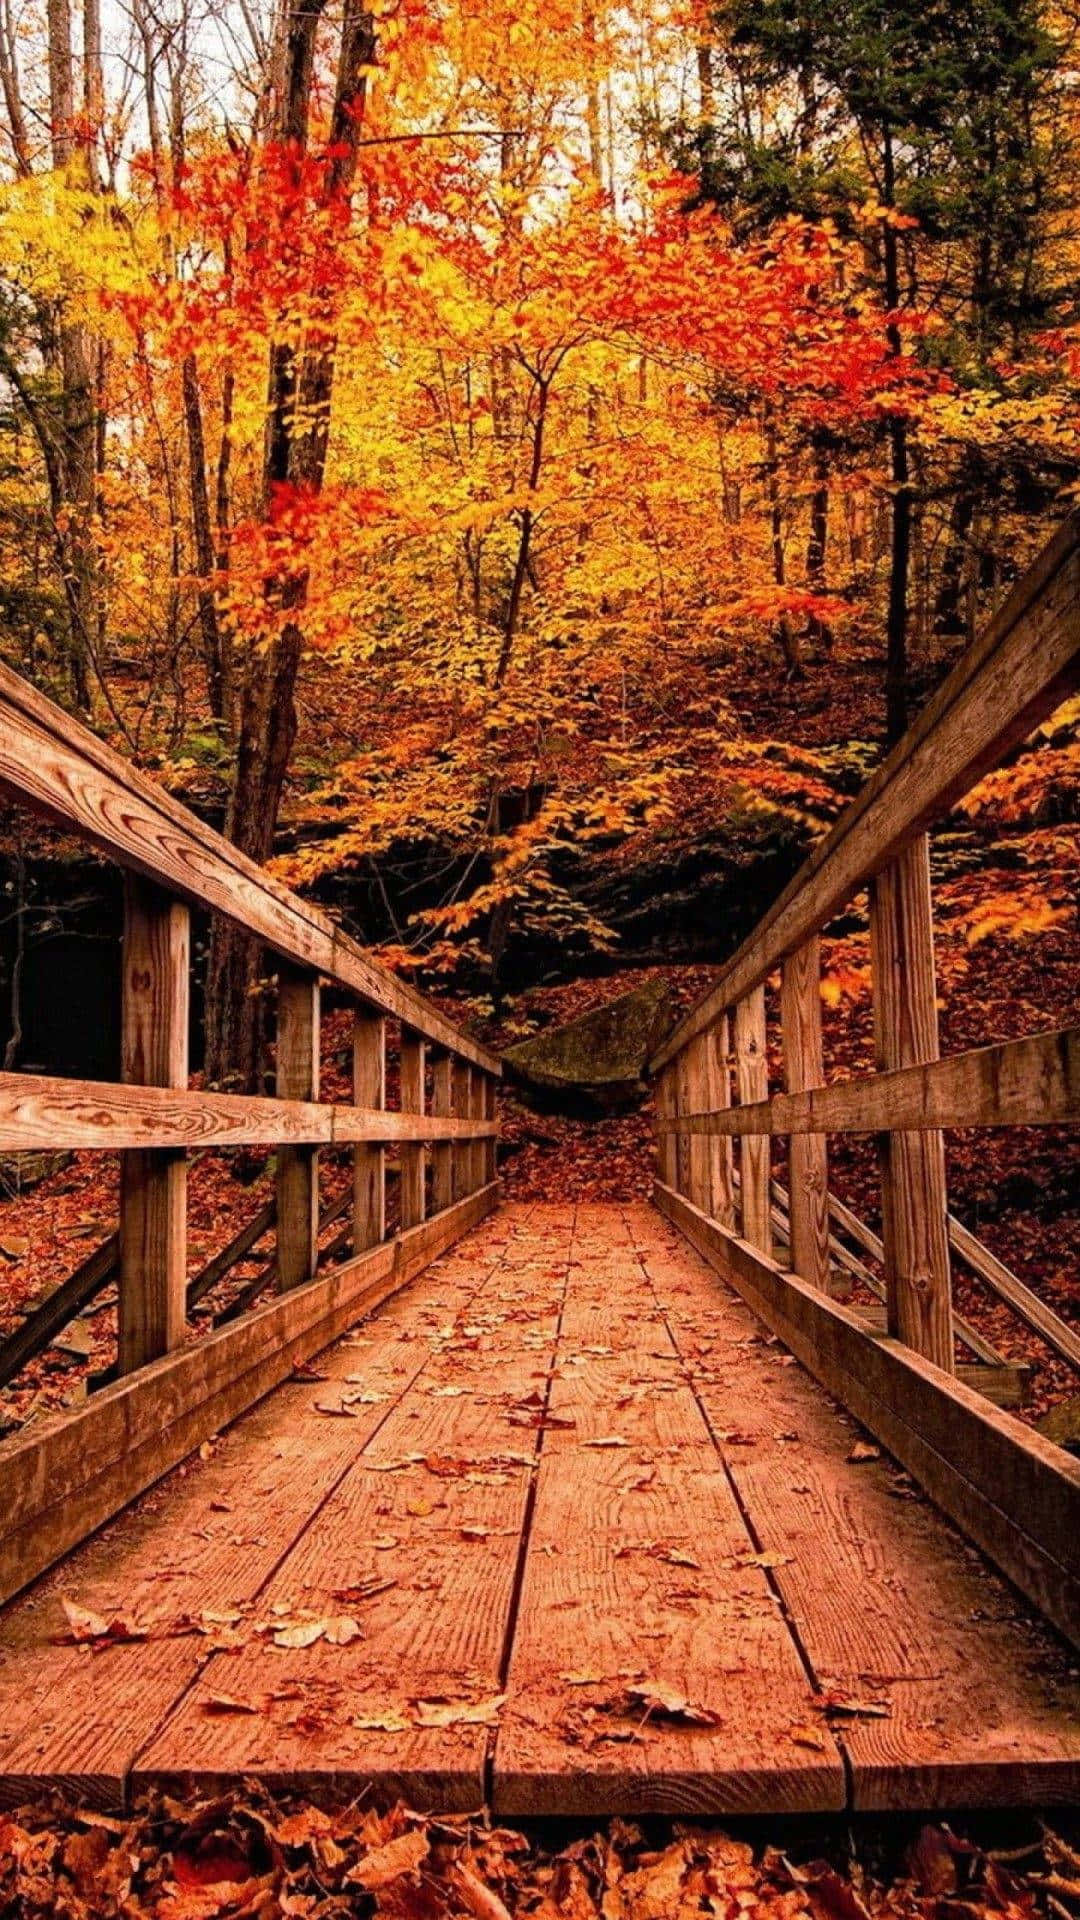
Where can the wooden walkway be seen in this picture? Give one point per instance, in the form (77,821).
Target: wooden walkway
(563,1530)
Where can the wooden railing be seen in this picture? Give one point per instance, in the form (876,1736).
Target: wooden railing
(1014,1492)
(66,1475)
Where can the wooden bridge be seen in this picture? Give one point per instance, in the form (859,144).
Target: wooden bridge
(564,1509)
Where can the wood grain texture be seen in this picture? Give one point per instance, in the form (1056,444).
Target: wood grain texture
(641,1569)
(411,1069)
(432,1510)
(442,1157)
(973,1703)
(804,1067)
(914,1208)
(206,1540)
(369,1160)
(1033,1082)
(752,1087)
(156,964)
(73,1471)
(1014,1493)
(1024,664)
(462,1159)
(38,1111)
(297,1168)
(666,1141)
(57,766)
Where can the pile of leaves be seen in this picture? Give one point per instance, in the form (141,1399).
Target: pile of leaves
(253,1858)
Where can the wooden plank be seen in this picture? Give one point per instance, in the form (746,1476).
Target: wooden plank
(57,766)
(721,1169)
(153,1185)
(694,1094)
(804,1066)
(411,1072)
(752,1085)
(640,1570)
(37,1108)
(70,1473)
(1021,668)
(1014,1493)
(666,1141)
(971,1704)
(1033,1082)
(918,1286)
(477,1107)
(460,1077)
(297,1168)
(369,1161)
(442,1157)
(203,1543)
(489,1109)
(433,1511)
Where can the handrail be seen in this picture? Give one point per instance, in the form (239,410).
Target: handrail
(1022,668)
(444,1127)
(713,1089)
(66,772)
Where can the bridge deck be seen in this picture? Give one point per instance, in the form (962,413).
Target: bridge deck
(575,1536)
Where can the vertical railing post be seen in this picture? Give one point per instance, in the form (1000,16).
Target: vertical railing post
(720,1193)
(461,1158)
(442,1154)
(412,1154)
(477,1154)
(667,1162)
(369,1158)
(297,1078)
(804,1067)
(752,1084)
(153,1182)
(914,1204)
(684,1083)
(490,1112)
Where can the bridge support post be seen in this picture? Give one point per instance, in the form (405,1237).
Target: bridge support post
(442,1155)
(667,1157)
(153,1182)
(804,1067)
(490,1113)
(752,1084)
(914,1203)
(297,1078)
(412,1154)
(461,1159)
(369,1159)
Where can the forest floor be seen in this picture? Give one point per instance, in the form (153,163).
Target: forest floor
(249,1857)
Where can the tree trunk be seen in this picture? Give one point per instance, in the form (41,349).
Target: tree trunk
(896,664)
(299,388)
(785,630)
(818,540)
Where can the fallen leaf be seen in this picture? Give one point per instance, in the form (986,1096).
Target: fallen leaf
(390,1862)
(861,1452)
(222,1703)
(459,1713)
(662,1702)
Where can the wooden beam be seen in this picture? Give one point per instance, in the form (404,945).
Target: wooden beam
(369,1160)
(804,1067)
(96,1114)
(297,1167)
(57,766)
(153,1184)
(721,1171)
(411,1072)
(490,1148)
(70,1473)
(752,1085)
(478,1150)
(462,1162)
(918,1288)
(1015,1083)
(442,1157)
(666,1141)
(1013,1492)
(1025,663)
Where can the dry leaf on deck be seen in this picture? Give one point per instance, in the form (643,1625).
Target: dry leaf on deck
(662,1702)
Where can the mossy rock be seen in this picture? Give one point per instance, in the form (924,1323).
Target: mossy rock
(596,1063)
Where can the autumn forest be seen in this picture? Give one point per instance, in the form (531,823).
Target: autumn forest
(515,469)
